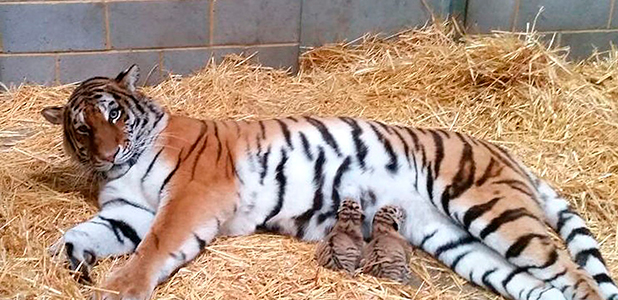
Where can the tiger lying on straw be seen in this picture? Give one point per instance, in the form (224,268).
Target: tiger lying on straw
(172,184)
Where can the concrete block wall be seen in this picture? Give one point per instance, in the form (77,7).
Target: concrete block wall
(583,25)
(63,41)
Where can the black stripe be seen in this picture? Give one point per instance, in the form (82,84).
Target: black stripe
(578,231)
(563,218)
(406,148)
(430,184)
(318,197)
(551,260)
(412,135)
(169,176)
(200,242)
(508,161)
(543,292)
(326,135)
(151,165)
(458,260)
(306,147)
(486,283)
(477,211)
(281,183)
(108,226)
(232,163)
(361,148)
(439,151)
(520,245)
(219,146)
(392,165)
(582,257)
(198,156)
(264,162)
(343,168)
(505,217)
(262,129)
(125,229)
(197,140)
(488,172)
(558,275)
(454,244)
(384,126)
(602,278)
(427,238)
(530,292)
(125,202)
(511,275)
(286,133)
(462,181)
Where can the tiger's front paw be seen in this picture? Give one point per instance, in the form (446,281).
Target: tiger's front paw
(71,249)
(128,283)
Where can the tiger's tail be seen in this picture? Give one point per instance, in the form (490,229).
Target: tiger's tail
(580,242)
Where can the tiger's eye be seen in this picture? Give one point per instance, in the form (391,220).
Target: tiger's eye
(83,129)
(114,114)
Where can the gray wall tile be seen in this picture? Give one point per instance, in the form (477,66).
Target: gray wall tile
(249,22)
(270,56)
(325,21)
(614,20)
(185,62)
(564,14)
(582,44)
(440,8)
(52,27)
(39,69)
(146,24)
(486,15)
(78,67)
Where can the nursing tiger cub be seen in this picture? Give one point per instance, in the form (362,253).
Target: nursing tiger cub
(172,184)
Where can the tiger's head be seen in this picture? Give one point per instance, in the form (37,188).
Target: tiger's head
(107,122)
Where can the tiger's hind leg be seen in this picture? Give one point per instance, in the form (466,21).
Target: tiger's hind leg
(471,259)
(510,222)
(580,242)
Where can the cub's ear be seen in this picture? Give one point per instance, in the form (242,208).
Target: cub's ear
(128,78)
(53,114)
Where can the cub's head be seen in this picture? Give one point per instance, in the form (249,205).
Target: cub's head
(106,121)
(350,210)
(388,218)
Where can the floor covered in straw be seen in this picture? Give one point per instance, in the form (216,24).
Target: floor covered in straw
(559,117)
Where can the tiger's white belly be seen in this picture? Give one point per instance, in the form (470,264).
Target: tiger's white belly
(373,187)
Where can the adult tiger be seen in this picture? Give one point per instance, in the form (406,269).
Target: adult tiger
(172,184)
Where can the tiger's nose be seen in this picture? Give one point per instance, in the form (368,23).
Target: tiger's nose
(110,156)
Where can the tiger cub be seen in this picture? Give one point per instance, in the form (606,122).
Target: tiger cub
(341,248)
(388,254)
(171,184)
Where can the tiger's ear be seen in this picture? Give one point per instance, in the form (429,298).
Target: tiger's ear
(128,78)
(53,114)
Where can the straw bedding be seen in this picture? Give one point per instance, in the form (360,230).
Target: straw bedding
(559,117)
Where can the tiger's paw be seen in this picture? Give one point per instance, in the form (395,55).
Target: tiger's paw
(128,283)
(72,250)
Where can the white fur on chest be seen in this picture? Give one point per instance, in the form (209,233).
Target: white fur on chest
(137,186)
